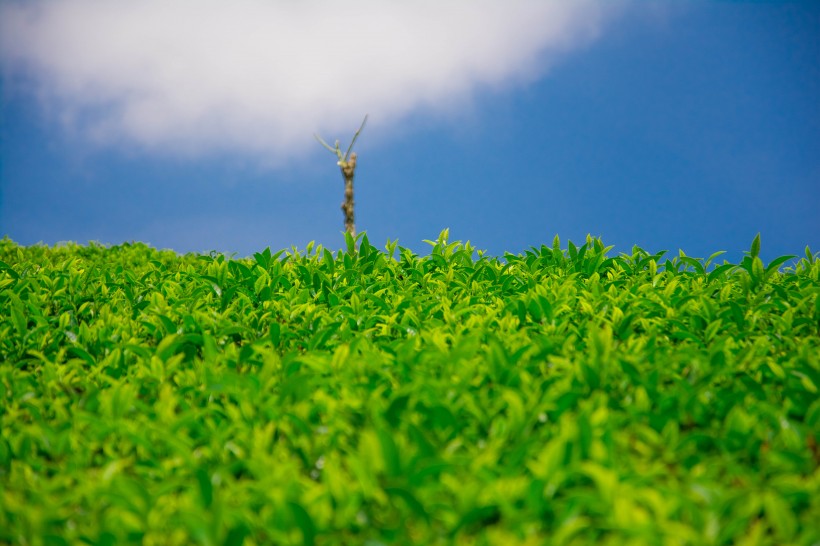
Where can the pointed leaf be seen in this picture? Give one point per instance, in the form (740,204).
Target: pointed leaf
(755,251)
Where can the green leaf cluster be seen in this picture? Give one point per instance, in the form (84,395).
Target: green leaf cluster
(559,396)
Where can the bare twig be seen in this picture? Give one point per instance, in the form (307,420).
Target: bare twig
(347,164)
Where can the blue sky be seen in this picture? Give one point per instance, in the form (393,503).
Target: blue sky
(672,126)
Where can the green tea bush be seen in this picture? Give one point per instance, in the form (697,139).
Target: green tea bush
(560,396)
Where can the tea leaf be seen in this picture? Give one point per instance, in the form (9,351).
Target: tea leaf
(354,396)
(755,250)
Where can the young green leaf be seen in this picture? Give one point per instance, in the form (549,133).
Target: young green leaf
(755,250)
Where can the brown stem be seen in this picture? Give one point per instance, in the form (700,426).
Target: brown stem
(348,170)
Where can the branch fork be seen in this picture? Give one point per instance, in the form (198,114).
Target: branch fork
(347,164)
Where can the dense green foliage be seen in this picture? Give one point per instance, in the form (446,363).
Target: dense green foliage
(556,397)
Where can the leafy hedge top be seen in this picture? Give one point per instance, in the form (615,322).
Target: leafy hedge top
(561,395)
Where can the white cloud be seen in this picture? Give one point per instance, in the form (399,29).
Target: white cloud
(259,76)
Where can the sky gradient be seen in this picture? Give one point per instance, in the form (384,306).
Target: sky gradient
(687,126)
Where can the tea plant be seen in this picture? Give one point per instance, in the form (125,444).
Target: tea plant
(559,396)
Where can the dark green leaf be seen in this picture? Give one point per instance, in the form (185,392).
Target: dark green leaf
(304,522)
(755,250)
